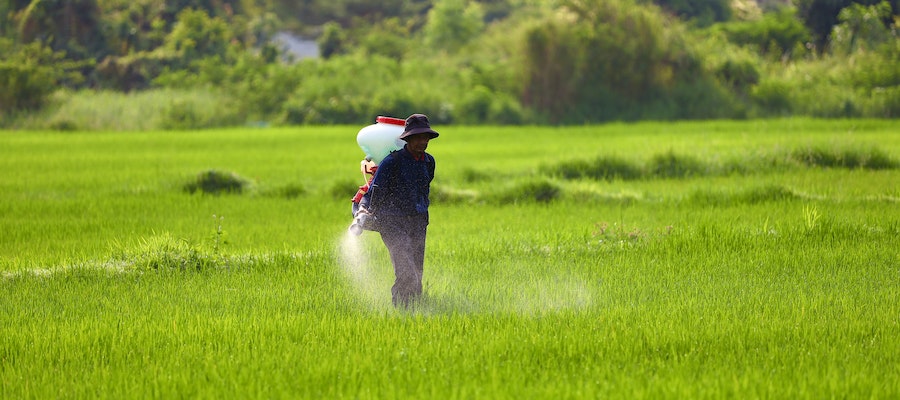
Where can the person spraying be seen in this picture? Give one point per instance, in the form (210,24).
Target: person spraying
(395,204)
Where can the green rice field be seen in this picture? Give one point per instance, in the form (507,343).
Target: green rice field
(689,260)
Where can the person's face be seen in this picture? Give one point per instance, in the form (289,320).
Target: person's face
(418,143)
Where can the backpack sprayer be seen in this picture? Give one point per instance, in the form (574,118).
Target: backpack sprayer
(377,141)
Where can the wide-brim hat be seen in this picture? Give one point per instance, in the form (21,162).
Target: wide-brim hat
(417,124)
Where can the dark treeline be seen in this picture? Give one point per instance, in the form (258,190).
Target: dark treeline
(462,61)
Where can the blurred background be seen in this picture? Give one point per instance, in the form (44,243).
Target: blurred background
(126,65)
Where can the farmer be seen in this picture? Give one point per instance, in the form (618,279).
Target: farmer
(398,199)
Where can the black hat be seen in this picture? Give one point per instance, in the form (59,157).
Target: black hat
(416,124)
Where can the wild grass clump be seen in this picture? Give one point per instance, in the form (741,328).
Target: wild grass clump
(671,165)
(607,168)
(217,182)
(871,158)
(166,253)
(540,191)
(753,195)
(471,175)
(288,191)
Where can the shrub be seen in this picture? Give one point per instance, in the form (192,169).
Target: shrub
(777,32)
(29,74)
(481,105)
(772,97)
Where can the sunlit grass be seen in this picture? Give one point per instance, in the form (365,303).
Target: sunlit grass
(779,282)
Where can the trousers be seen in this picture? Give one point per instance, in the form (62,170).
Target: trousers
(404,237)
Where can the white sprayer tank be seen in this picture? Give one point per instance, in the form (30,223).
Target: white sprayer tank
(381,138)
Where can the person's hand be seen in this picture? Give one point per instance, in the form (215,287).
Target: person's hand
(363,210)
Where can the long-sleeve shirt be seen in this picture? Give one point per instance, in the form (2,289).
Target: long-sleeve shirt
(401,185)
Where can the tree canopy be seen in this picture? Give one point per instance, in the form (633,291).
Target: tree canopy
(490,61)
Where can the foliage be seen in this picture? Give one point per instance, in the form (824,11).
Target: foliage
(860,26)
(497,62)
(70,26)
(821,16)
(703,12)
(331,42)
(453,23)
(615,60)
(30,73)
(778,33)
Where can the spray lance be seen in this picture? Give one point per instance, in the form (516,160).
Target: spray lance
(377,141)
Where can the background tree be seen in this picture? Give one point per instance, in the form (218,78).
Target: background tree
(72,26)
(332,40)
(453,23)
(820,16)
(860,27)
(776,33)
(703,12)
(30,73)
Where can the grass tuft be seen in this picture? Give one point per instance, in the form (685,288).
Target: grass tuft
(166,253)
(607,168)
(540,191)
(671,165)
(288,191)
(753,195)
(871,158)
(217,182)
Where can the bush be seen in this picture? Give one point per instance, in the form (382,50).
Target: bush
(30,73)
(481,105)
(772,97)
(777,32)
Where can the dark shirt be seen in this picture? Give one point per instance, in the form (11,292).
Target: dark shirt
(401,185)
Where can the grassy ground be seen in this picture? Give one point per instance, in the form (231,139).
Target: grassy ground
(739,260)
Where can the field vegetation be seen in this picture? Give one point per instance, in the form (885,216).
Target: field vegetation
(75,64)
(628,260)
